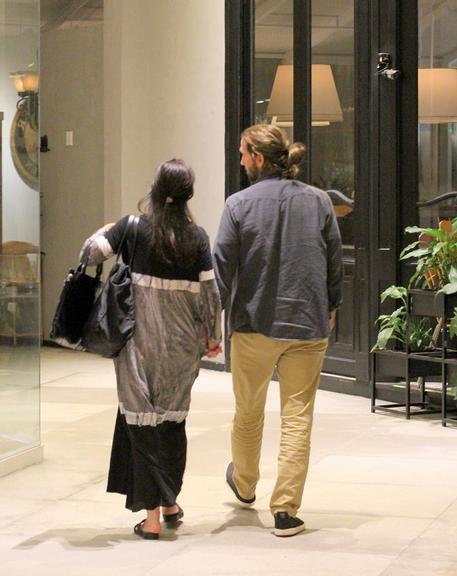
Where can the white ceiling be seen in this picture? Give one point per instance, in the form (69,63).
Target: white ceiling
(21,16)
(437,31)
(332,27)
(69,13)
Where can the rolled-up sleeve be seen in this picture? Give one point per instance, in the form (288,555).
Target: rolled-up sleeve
(103,244)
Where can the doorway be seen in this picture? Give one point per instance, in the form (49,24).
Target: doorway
(361,138)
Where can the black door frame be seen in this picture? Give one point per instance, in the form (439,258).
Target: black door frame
(385,142)
(393,157)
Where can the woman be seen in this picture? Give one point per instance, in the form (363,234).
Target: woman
(177,321)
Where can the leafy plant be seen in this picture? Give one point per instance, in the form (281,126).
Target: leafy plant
(393,327)
(436,254)
(436,266)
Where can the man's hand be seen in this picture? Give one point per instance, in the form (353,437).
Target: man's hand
(214,348)
(332,320)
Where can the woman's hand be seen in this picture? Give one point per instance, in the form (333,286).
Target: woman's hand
(214,348)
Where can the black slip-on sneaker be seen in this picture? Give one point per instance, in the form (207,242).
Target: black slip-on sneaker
(286,525)
(231,483)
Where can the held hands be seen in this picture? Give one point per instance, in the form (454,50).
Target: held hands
(214,348)
(331,320)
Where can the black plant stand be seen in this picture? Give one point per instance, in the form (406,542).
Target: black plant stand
(409,365)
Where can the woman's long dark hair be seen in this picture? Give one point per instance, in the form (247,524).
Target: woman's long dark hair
(173,232)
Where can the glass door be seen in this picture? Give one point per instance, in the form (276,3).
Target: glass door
(437,110)
(19,233)
(303,81)
(310,66)
(332,150)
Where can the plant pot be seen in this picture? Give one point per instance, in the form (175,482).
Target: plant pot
(431,304)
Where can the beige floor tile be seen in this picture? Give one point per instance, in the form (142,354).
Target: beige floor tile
(381,470)
(45,481)
(407,501)
(57,394)
(362,533)
(69,412)
(380,498)
(263,558)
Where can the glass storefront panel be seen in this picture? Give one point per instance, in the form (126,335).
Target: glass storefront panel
(332,91)
(274,64)
(332,112)
(437,114)
(19,228)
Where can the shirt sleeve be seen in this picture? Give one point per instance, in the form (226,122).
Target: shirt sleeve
(334,258)
(209,293)
(205,262)
(116,233)
(226,254)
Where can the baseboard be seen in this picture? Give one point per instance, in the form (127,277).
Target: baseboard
(344,385)
(208,365)
(16,461)
(51,344)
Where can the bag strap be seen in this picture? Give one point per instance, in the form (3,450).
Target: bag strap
(132,221)
(81,269)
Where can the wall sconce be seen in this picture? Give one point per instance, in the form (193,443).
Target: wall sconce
(325,104)
(24,128)
(437,89)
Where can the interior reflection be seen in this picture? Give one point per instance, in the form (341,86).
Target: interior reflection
(332,92)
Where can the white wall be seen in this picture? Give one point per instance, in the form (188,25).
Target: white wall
(163,97)
(172,56)
(71,176)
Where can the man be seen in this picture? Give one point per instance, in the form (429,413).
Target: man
(277,260)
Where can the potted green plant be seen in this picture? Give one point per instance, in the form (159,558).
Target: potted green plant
(415,340)
(392,328)
(435,252)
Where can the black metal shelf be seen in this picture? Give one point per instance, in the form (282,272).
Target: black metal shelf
(408,366)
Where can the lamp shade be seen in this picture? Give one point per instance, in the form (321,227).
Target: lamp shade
(325,107)
(18,83)
(31,81)
(25,81)
(437,89)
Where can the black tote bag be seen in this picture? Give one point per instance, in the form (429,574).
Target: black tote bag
(75,304)
(112,319)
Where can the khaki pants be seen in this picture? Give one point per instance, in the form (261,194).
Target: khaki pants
(299,363)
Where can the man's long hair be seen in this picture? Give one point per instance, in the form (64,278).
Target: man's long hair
(270,141)
(173,233)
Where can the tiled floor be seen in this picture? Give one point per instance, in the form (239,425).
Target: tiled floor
(381,498)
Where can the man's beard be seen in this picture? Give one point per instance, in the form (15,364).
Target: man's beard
(252,173)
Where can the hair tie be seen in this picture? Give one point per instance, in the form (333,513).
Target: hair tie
(168,200)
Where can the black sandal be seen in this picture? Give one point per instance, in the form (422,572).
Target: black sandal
(138,529)
(173,518)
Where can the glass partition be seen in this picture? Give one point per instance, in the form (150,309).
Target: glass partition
(332,81)
(19,229)
(332,91)
(274,64)
(437,114)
